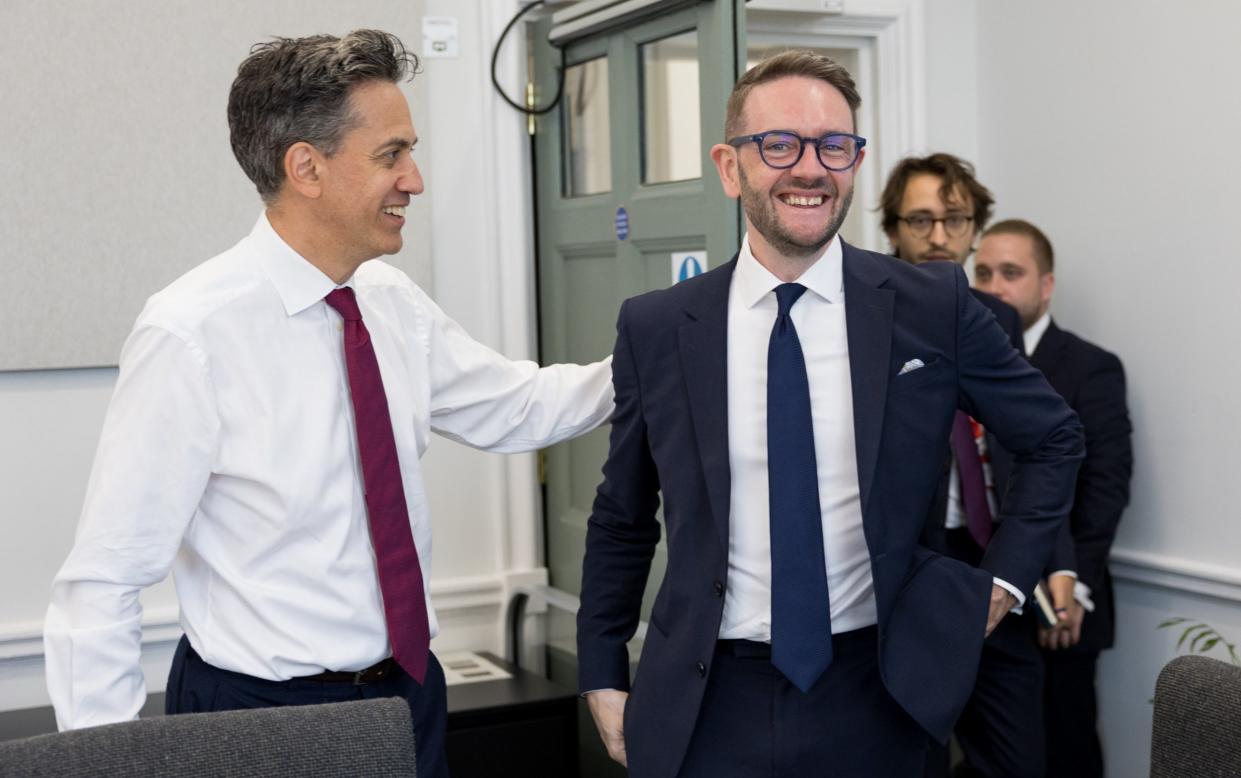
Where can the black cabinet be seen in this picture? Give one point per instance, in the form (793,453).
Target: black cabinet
(515,727)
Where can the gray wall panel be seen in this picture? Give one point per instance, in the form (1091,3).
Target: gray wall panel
(117,172)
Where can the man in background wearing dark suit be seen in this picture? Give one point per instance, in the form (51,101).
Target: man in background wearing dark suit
(790,408)
(933,208)
(1015,262)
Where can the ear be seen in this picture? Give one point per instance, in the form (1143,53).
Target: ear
(303,169)
(1048,284)
(726,162)
(892,242)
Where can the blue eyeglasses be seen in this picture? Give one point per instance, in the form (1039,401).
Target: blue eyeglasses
(782,149)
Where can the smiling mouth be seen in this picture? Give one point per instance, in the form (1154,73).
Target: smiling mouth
(395,210)
(802,201)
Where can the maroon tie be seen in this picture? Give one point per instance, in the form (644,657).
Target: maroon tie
(400,575)
(973,480)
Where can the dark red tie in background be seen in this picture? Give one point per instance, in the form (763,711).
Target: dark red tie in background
(973,480)
(400,575)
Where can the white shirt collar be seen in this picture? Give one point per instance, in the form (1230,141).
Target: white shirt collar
(825,277)
(1035,332)
(299,283)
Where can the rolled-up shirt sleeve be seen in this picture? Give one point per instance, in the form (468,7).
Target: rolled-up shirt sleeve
(152,465)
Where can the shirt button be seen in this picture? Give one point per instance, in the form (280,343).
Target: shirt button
(702,670)
(718,586)
(340,326)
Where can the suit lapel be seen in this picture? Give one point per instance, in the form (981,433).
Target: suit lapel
(868,322)
(703,342)
(1046,353)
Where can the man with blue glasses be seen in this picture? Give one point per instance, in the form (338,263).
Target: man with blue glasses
(789,410)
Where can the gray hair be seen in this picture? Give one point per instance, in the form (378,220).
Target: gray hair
(297,89)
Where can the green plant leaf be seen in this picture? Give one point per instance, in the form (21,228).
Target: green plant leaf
(1201,638)
(1188,631)
(1204,634)
(1194,645)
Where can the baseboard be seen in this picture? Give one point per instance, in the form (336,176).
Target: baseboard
(1176,574)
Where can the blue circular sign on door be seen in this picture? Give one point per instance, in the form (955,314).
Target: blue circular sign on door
(622,223)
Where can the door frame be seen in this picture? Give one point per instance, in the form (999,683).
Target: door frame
(890,37)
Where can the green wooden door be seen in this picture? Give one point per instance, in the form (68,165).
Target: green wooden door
(624,184)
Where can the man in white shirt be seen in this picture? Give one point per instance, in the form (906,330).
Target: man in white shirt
(789,409)
(1016,263)
(264,438)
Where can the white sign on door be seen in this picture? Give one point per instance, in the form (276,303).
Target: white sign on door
(687,264)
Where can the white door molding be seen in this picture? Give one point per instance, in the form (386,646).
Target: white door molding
(889,37)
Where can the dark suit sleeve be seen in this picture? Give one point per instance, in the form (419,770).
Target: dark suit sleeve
(621,534)
(1103,484)
(1065,556)
(1014,401)
(1010,320)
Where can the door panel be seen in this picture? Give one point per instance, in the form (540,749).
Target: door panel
(667,82)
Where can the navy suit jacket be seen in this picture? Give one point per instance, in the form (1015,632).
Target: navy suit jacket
(670,436)
(1092,382)
(934,536)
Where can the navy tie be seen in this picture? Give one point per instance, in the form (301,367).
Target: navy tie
(801,619)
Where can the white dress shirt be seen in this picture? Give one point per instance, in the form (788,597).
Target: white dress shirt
(751,315)
(1034,333)
(229,457)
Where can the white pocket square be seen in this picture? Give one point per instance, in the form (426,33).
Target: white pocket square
(911,366)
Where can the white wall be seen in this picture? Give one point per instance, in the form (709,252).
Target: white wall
(1113,125)
(468,240)
(951,78)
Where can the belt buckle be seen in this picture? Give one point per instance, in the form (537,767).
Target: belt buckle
(375,672)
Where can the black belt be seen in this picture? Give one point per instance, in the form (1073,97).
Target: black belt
(743,648)
(379,671)
(756,649)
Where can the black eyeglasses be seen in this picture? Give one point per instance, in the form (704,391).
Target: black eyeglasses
(921,224)
(782,149)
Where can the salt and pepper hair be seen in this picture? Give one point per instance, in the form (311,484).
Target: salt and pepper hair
(787,64)
(291,90)
(1044,256)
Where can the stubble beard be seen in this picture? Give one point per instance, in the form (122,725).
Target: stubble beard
(762,215)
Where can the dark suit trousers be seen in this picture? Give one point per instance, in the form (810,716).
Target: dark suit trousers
(753,723)
(196,687)
(1073,749)
(1001,729)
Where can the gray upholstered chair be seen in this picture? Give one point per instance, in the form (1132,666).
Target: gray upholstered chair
(363,738)
(1197,730)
